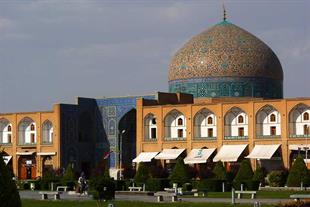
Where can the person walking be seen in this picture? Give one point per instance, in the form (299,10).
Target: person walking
(82,183)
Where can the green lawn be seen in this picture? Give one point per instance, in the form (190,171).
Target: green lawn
(260,194)
(36,203)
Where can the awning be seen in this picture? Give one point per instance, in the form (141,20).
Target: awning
(46,153)
(145,157)
(229,153)
(198,156)
(169,154)
(301,147)
(24,153)
(264,152)
(7,159)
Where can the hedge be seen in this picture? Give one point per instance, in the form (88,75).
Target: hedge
(298,173)
(157,184)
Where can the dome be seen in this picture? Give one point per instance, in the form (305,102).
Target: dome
(226,61)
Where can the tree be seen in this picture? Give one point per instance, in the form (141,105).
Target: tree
(179,174)
(245,172)
(69,177)
(142,173)
(9,196)
(244,175)
(219,171)
(298,173)
(259,175)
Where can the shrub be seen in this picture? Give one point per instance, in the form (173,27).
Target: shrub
(219,171)
(187,187)
(142,173)
(102,188)
(277,178)
(251,184)
(212,185)
(69,178)
(120,185)
(259,175)
(9,196)
(26,186)
(244,175)
(49,176)
(179,174)
(156,184)
(298,173)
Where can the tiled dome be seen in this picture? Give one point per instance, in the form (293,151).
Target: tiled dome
(225,54)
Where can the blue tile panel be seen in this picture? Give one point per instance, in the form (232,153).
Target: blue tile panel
(112,110)
(229,87)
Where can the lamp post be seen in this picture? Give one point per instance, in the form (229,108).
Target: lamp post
(120,153)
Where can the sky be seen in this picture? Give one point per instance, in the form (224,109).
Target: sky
(52,51)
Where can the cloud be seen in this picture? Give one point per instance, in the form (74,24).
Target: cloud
(5,24)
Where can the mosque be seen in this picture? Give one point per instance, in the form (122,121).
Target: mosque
(225,103)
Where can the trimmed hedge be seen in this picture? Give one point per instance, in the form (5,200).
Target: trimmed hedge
(102,188)
(179,174)
(219,171)
(259,175)
(277,178)
(69,178)
(298,173)
(157,184)
(142,173)
(211,185)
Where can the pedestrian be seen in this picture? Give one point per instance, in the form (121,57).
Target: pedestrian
(82,183)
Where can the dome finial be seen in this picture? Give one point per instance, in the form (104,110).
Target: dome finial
(224,13)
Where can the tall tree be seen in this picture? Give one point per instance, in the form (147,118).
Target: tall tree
(9,196)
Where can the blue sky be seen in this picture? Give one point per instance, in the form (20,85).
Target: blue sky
(52,51)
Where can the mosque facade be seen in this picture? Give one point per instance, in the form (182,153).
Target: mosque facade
(225,103)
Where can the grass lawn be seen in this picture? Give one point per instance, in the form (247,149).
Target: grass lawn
(50,203)
(260,194)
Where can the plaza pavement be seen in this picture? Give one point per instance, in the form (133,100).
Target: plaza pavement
(146,198)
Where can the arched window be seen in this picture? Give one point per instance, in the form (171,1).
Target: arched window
(150,127)
(204,124)
(272,118)
(47,132)
(236,124)
(298,118)
(26,131)
(268,122)
(175,125)
(5,131)
(180,122)
(210,120)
